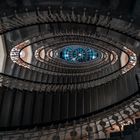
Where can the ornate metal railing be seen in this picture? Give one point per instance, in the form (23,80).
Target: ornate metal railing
(95,126)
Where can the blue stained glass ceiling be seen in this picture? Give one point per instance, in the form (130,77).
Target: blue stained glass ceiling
(78,53)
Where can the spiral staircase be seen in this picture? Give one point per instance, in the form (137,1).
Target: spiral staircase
(69,70)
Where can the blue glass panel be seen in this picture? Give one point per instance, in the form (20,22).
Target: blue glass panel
(78,53)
